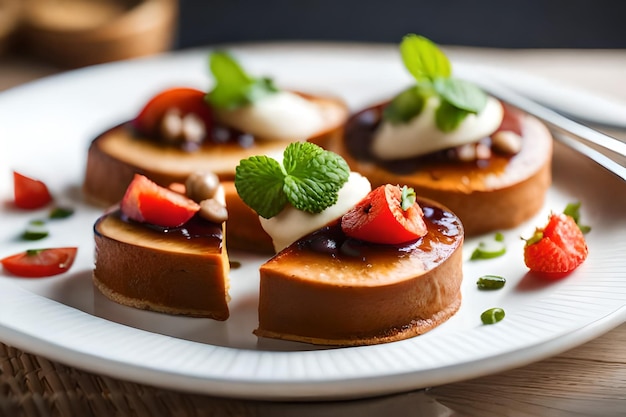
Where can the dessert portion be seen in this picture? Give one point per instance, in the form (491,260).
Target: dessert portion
(184,130)
(164,251)
(444,137)
(354,266)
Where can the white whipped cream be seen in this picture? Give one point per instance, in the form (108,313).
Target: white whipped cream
(291,224)
(421,136)
(280,116)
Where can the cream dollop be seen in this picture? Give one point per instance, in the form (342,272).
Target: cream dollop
(280,116)
(421,136)
(292,224)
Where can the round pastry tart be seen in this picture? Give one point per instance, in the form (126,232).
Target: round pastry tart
(489,163)
(330,289)
(162,251)
(354,266)
(183,130)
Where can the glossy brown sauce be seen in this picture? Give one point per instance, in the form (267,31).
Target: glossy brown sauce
(218,134)
(359,135)
(444,228)
(195,228)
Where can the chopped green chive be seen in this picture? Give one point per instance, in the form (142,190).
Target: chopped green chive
(35,230)
(490,282)
(61,212)
(490,249)
(492,316)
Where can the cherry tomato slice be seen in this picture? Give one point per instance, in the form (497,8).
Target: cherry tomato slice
(379,218)
(39,263)
(29,193)
(146,201)
(186,100)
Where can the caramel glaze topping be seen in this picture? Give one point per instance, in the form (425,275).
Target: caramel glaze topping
(218,135)
(206,233)
(331,246)
(359,135)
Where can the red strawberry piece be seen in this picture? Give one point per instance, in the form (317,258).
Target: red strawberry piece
(557,249)
(29,193)
(380,218)
(145,201)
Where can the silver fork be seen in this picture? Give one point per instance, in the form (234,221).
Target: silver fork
(603,149)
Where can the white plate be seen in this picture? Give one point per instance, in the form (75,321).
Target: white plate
(45,130)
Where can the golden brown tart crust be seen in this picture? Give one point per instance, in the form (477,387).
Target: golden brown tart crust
(499,194)
(363,294)
(142,267)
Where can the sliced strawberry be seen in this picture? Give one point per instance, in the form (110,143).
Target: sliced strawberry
(557,249)
(380,218)
(40,262)
(145,201)
(29,193)
(185,100)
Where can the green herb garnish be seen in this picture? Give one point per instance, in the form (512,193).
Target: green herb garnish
(492,316)
(60,213)
(573,210)
(233,86)
(408,198)
(36,230)
(433,73)
(309,178)
(490,248)
(490,282)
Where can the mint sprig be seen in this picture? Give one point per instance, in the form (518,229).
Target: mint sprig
(433,75)
(309,179)
(233,86)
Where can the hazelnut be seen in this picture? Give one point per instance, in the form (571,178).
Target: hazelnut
(193,129)
(171,125)
(201,186)
(213,211)
(506,141)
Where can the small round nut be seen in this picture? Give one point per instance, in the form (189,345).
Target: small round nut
(213,211)
(193,129)
(506,141)
(466,152)
(171,125)
(201,186)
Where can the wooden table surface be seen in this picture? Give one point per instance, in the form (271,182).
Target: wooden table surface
(589,380)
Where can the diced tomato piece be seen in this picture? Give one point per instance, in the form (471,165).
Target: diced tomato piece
(29,193)
(40,262)
(380,218)
(186,100)
(146,201)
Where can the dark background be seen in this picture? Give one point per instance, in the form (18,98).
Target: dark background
(488,23)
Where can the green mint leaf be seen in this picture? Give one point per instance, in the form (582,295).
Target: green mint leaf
(309,179)
(233,86)
(408,198)
(433,71)
(449,117)
(573,210)
(259,182)
(461,94)
(423,59)
(314,176)
(404,106)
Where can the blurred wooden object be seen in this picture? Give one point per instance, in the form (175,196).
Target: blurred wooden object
(10,11)
(77,33)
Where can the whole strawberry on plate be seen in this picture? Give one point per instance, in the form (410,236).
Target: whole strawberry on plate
(558,248)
